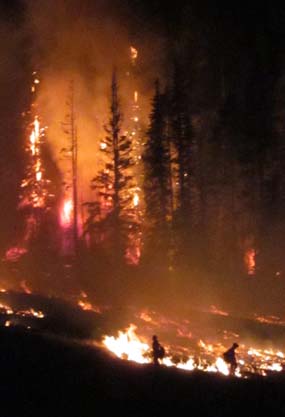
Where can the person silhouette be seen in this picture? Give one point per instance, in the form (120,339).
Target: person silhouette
(158,351)
(230,358)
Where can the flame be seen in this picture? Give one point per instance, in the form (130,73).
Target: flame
(36,192)
(87,306)
(134,54)
(136,199)
(128,345)
(135,96)
(31,312)
(66,213)
(207,357)
(249,260)
(131,347)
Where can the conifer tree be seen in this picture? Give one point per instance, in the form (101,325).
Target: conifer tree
(157,181)
(111,217)
(181,136)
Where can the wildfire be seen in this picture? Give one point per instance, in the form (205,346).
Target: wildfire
(34,186)
(204,356)
(128,345)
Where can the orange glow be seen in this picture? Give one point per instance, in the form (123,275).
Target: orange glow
(87,306)
(14,254)
(249,260)
(134,54)
(66,213)
(25,287)
(218,311)
(135,96)
(136,200)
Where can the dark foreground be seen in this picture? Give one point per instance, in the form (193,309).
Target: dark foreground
(43,375)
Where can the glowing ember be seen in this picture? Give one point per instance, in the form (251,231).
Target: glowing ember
(31,312)
(215,310)
(14,254)
(135,96)
(87,306)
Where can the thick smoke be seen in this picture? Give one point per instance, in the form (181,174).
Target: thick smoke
(84,41)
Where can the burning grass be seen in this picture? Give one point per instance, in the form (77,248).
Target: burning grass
(189,349)
(195,342)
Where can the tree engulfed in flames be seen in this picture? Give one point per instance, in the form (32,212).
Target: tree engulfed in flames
(34,186)
(35,196)
(134,132)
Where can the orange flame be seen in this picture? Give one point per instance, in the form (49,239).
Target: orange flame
(66,213)
(249,260)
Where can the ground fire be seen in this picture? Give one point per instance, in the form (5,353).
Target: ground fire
(204,356)
(186,344)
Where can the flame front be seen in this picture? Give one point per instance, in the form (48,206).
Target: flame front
(206,357)
(128,345)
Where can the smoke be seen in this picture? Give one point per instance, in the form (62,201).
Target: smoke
(84,41)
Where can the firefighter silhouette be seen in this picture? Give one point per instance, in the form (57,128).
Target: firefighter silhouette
(230,358)
(158,351)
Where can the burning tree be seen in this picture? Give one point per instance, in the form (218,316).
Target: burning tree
(134,133)
(37,192)
(111,217)
(69,208)
(35,243)
(35,185)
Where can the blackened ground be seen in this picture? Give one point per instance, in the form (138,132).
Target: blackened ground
(44,375)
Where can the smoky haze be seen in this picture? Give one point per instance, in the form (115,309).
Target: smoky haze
(84,42)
